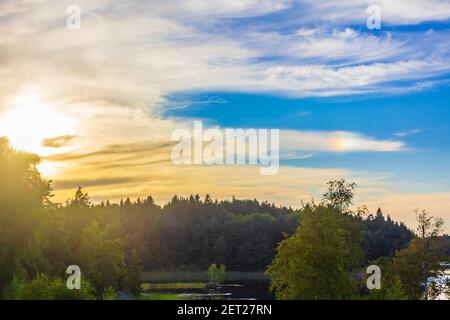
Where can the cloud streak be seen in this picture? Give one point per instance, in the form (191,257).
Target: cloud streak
(58,142)
(399,12)
(335,141)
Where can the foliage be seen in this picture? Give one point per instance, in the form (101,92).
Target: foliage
(109,294)
(421,261)
(339,195)
(316,262)
(409,274)
(216,274)
(38,239)
(45,288)
(190,233)
(383,237)
(392,291)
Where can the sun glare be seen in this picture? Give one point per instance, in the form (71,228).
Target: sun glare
(28,121)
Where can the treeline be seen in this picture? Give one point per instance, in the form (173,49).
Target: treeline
(191,233)
(113,242)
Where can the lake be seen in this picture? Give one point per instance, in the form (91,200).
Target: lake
(190,285)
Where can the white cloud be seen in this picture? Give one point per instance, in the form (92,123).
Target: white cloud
(393,12)
(407,133)
(324,44)
(142,52)
(326,80)
(219,8)
(335,141)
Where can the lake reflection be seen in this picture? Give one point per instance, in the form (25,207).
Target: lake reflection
(238,285)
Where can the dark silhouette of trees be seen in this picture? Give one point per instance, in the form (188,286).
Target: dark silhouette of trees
(383,237)
(190,233)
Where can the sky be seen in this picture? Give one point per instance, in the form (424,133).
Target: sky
(99,103)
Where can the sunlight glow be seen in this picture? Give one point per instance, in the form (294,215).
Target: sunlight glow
(28,121)
(49,169)
(339,142)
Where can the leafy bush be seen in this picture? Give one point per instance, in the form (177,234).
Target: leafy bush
(44,287)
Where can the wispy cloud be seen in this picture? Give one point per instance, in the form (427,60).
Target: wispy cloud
(335,141)
(398,12)
(58,142)
(407,133)
(335,45)
(171,47)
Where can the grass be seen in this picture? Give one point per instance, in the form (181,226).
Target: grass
(176,285)
(196,276)
(160,296)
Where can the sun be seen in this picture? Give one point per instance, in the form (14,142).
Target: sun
(28,121)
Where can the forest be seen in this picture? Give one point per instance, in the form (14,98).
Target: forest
(114,242)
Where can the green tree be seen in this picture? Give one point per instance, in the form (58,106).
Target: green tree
(212,273)
(339,194)
(216,274)
(420,262)
(80,202)
(316,262)
(110,294)
(43,287)
(221,274)
(24,196)
(392,291)
(101,259)
(133,272)
(88,254)
(219,250)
